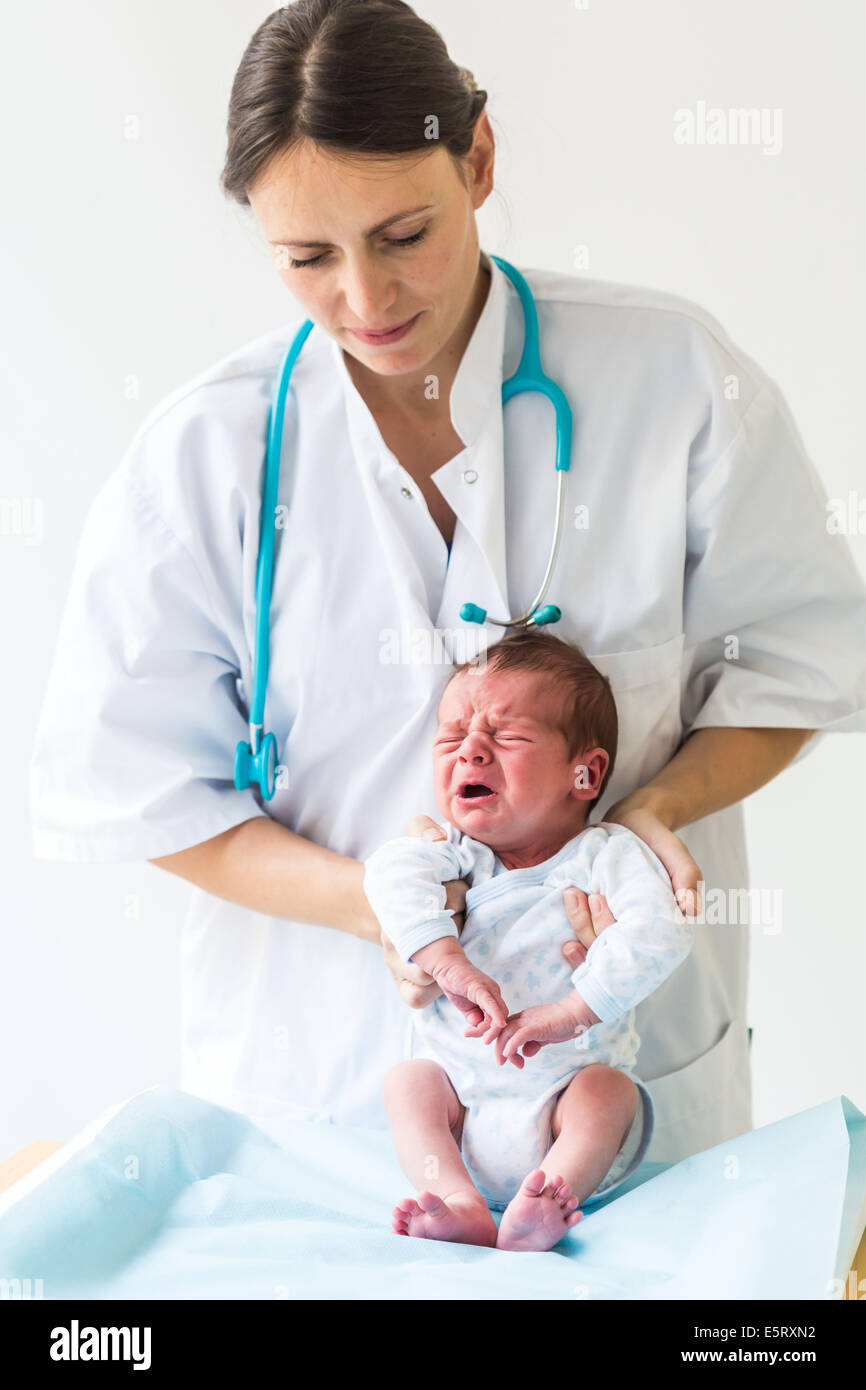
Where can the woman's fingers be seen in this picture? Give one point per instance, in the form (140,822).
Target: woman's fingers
(418,996)
(685,875)
(600,912)
(686,881)
(417,988)
(455,899)
(587,915)
(399,968)
(683,871)
(426,826)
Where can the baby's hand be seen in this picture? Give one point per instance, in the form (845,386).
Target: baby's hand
(469,989)
(533,1028)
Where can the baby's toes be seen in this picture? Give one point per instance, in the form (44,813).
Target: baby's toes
(403,1212)
(534,1183)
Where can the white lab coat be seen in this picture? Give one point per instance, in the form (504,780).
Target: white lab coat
(692,516)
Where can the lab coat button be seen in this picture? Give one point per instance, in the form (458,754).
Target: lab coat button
(470,476)
(407,492)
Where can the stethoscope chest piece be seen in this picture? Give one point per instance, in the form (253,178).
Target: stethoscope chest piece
(260,766)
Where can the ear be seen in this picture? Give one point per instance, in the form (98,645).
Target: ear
(589,769)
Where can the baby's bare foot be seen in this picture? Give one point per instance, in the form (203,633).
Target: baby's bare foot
(539,1215)
(459,1216)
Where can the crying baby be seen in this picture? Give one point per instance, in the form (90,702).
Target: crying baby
(518,1094)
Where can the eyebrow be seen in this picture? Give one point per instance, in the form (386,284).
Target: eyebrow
(498,717)
(380,227)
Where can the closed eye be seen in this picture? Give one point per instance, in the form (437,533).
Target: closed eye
(398,242)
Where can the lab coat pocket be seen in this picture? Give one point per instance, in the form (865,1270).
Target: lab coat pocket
(646,687)
(704,1103)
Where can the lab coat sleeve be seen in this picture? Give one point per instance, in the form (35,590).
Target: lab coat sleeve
(650,937)
(404,884)
(134,752)
(774,606)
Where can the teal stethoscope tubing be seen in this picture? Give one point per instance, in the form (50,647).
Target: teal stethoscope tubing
(256,761)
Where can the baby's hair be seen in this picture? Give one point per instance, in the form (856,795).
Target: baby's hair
(588,718)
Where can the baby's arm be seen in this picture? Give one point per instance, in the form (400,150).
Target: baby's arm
(649,938)
(630,959)
(404,884)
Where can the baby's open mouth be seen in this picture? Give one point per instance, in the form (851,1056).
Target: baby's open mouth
(475,791)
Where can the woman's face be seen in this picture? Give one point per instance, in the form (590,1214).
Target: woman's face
(369,243)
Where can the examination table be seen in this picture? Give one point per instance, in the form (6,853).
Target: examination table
(169,1196)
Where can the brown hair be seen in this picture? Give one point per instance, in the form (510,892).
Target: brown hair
(589,718)
(362,76)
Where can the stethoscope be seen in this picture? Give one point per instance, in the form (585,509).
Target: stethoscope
(256,761)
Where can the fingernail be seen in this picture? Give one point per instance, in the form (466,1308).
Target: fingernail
(431,834)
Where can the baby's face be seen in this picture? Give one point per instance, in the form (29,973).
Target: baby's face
(500,765)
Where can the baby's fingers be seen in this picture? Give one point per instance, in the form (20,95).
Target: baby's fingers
(493,1030)
(511,1048)
(492,1003)
(475,1028)
(504,1050)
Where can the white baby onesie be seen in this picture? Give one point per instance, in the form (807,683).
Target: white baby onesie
(514,929)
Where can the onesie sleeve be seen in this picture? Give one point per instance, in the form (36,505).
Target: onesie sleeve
(651,936)
(404,884)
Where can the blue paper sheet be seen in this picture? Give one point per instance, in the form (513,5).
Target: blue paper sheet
(170,1197)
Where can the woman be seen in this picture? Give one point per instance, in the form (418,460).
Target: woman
(698,575)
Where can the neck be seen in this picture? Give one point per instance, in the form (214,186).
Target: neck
(404,394)
(526,854)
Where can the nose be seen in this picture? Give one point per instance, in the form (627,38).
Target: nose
(369,292)
(475,748)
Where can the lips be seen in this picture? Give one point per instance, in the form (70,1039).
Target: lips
(475,793)
(380,332)
(386,335)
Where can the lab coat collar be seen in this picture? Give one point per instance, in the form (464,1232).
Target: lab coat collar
(478,384)
(473,481)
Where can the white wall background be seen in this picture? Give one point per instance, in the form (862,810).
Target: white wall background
(124,271)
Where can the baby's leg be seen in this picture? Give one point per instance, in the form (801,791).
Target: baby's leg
(426,1120)
(590,1122)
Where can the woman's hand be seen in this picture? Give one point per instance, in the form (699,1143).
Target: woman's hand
(417,988)
(588,916)
(685,875)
